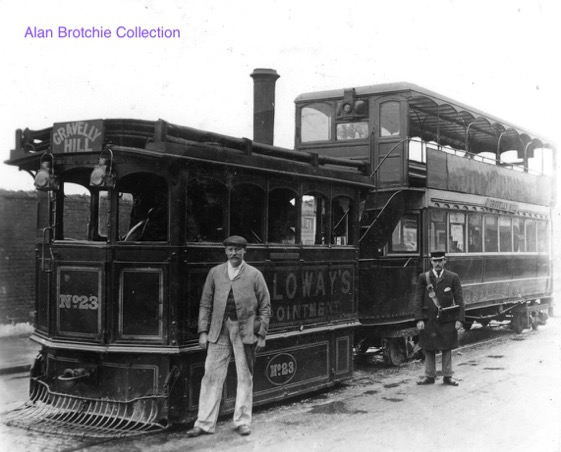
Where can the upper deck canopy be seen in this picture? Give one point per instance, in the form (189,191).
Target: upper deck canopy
(435,117)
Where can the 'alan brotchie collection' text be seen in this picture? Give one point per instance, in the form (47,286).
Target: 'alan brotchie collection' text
(120,32)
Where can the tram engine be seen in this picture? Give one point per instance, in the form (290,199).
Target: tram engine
(132,214)
(131,218)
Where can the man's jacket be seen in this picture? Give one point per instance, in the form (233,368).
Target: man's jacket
(253,304)
(438,336)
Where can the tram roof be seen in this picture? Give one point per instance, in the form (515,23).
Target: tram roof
(435,104)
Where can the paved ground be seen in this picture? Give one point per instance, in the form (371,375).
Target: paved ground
(16,353)
(509,400)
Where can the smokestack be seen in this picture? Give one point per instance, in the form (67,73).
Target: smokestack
(264,105)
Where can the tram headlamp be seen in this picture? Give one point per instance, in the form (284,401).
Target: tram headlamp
(102,175)
(45,179)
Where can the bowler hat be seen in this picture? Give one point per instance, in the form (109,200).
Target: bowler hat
(437,254)
(235,240)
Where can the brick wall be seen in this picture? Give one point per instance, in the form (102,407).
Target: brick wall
(18,220)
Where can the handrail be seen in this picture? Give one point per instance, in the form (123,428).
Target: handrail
(379,213)
(387,155)
(48,228)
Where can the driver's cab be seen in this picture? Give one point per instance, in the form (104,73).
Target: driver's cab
(142,208)
(83,213)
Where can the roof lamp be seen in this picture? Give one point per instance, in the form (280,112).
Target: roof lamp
(45,179)
(102,175)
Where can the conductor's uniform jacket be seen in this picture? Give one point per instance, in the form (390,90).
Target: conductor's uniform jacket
(438,336)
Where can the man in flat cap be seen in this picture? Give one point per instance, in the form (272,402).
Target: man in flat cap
(233,317)
(438,327)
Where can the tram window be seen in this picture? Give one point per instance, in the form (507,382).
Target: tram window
(145,196)
(505,234)
(456,242)
(206,204)
(352,131)
(125,202)
(475,237)
(437,231)
(518,235)
(316,122)
(405,235)
(78,205)
(282,216)
(314,220)
(246,212)
(103,201)
(542,237)
(389,119)
(491,234)
(531,231)
(342,221)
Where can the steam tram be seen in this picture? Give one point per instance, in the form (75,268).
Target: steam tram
(121,268)
(341,226)
(447,177)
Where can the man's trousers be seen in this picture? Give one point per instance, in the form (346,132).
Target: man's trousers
(430,363)
(216,368)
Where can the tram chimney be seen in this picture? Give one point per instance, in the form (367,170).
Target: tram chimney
(264,105)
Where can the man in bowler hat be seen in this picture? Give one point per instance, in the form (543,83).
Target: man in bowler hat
(438,288)
(234,317)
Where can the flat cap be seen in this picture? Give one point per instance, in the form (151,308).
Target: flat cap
(235,240)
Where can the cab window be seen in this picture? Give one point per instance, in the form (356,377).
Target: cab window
(389,119)
(316,122)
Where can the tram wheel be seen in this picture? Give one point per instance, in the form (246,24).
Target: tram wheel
(484,323)
(468,325)
(394,351)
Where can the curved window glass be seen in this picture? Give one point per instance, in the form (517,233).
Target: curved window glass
(316,122)
(77,213)
(390,119)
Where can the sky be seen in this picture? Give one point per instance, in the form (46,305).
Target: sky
(498,56)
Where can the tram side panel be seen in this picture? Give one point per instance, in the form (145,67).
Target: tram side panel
(387,288)
(309,345)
